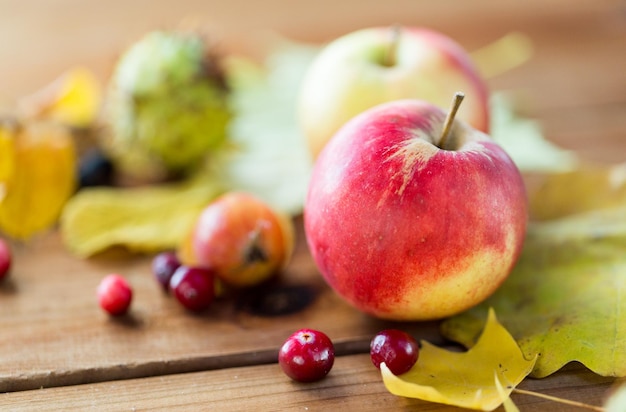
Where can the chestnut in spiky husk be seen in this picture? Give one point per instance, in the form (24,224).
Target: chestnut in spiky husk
(166,105)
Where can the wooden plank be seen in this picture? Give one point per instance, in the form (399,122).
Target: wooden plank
(596,133)
(353,384)
(574,43)
(576,62)
(55,334)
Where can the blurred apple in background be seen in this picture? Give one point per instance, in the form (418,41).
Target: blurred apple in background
(376,65)
(410,220)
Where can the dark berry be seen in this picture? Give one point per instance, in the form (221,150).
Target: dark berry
(307,355)
(95,169)
(5,259)
(163,267)
(194,287)
(114,295)
(396,348)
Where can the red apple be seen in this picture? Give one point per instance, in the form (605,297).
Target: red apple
(408,224)
(380,64)
(241,238)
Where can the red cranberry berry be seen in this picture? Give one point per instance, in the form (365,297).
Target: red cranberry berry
(194,287)
(396,348)
(307,355)
(5,259)
(114,295)
(163,267)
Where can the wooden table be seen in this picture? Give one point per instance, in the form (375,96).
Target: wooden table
(58,351)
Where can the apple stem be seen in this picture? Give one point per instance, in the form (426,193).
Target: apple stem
(447,125)
(390,57)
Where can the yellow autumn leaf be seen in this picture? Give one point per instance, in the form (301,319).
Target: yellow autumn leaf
(73,99)
(507,402)
(141,219)
(465,379)
(565,296)
(37,176)
(7,157)
(587,188)
(504,54)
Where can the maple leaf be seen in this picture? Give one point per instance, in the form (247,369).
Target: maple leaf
(564,299)
(481,378)
(522,138)
(270,158)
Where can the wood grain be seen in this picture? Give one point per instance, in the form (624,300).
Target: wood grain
(354,383)
(59,336)
(52,333)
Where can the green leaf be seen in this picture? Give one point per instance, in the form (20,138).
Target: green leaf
(271,158)
(481,378)
(522,138)
(566,298)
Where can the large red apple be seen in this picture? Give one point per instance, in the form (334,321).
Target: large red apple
(375,65)
(405,226)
